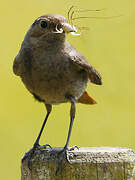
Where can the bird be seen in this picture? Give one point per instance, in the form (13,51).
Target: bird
(52,70)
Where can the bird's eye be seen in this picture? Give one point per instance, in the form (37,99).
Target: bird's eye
(43,24)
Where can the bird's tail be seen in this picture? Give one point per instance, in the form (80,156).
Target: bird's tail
(86,99)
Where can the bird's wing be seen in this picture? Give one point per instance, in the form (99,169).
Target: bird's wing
(22,61)
(79,60)
(16,65)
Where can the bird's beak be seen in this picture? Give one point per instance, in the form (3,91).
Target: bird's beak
(68,28)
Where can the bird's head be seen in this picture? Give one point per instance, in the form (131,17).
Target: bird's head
(50,27)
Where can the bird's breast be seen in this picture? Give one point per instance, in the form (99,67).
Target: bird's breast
(54,76)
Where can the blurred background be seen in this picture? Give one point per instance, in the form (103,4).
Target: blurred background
(109,46)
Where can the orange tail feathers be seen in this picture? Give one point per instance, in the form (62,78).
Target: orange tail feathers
(86,99)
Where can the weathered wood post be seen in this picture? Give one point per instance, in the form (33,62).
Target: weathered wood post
(102,163)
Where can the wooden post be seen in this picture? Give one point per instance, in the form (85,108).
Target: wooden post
(102,163)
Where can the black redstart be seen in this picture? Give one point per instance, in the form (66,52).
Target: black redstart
(52,69)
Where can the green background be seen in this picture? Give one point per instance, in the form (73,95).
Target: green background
(109,46)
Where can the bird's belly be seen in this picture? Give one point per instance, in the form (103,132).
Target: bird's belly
(55,89)
(55,82)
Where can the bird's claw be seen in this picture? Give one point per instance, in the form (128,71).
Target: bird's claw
(73,148)
(61,156)
(29,155)
(31,152)
(43,147)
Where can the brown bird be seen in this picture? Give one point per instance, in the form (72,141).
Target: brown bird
(52,69)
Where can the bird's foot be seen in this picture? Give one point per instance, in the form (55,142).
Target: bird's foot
(31,152)
(61,156)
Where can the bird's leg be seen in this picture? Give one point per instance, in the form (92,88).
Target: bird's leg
(49,108)
(36,144)
(63,153)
